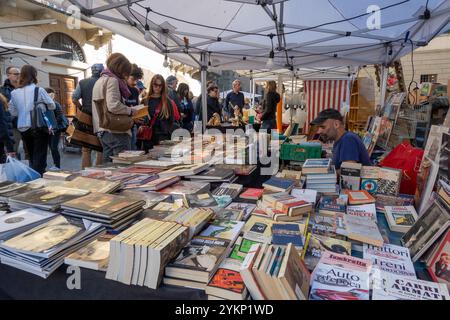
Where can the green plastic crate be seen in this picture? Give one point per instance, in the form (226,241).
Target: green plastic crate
(300,152)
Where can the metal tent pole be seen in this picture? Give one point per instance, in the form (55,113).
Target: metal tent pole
(203,80)
(384,74)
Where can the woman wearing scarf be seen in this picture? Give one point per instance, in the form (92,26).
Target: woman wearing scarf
(112,90)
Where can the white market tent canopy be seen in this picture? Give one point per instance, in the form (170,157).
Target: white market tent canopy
(238,34)
(293,36)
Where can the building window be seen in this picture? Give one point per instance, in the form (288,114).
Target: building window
(428,78)
(61,41)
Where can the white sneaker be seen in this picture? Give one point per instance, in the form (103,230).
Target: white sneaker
(54,168)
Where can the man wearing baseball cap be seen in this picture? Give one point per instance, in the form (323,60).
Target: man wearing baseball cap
(347,145)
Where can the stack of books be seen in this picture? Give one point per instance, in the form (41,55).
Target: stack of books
(112,211)
(149,183)
(324,183)
(230,189)
(227,283)
(59,175)
(283,203)
(48,198)
(41,250)
(129,157)
(139,254)
(17,222)
(197,262)
(193,218)
(94,256)
(277,184)
(184,170)
(186,187)
(214,174)
(275,273)
(10,189)
(93,185)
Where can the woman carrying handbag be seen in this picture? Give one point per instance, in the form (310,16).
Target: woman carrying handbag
(31,105)
(111,117)
(160,123)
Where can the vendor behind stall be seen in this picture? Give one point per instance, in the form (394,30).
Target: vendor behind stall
(347,145)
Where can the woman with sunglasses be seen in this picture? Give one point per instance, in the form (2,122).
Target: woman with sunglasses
(213,102)
(160,123)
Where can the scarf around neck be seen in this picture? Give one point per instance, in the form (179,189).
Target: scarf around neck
(123,87)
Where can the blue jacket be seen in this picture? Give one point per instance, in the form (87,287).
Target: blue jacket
(6,129)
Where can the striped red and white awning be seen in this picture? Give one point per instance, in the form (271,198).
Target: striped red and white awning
(324,94)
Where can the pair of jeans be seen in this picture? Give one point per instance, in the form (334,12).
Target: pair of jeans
(53,144)
(36,142)
(114,143)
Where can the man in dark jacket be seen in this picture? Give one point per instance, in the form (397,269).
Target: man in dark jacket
(12,82)
(6,134)
(84,92)
(172,83)
(234,98)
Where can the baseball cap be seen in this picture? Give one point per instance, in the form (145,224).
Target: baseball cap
(140,85)
(327,114)
(171,79)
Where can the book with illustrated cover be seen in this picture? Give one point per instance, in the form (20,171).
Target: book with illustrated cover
(389,181)
(383,200)
(440,260)
(135,169)
(389,258)
(94,255)
(329,205)
(223,229)
(204,199)
(400,218)
(258,229)
(199,259)
(350,176)
(231,189)
(285,233)
(337,282)
(239,252)
(365,210)
(307,195)
(48,198)
(230,214)
(359,197)
(246,207)
(316,244)
(427,229)
(17,222)
(93,185)
(227,282)
(395,287)
(154,184)
(325,225)
(102,205)
(246,270)
(138,180)
(360,229)
(47,239)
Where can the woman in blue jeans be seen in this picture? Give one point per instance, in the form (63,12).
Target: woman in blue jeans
(270,102)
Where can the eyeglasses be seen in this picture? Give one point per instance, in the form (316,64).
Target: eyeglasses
(158,85)
(15,73)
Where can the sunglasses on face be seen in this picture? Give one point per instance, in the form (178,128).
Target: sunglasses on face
(158,85)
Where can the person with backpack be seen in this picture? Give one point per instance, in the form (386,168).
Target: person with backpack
(30,104)
(61,126)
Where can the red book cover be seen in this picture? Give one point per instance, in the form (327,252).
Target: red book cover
(228,279)
(295,204)
(252,193)
(439,267)
(359,197)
